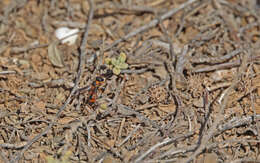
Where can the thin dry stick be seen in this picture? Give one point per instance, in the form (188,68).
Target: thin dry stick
(81,63)
(13,146)
(224,65)
(27,48)
(89,136)
(127,111)
(166,141)
(7,72)
(169,41)
(171,152)
(129,136)
(121,128)
(131,8)
(214,60)
(134,71)
(182,60)
(153,23)
(238,122)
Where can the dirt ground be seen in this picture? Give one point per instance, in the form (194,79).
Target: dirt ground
(145,81)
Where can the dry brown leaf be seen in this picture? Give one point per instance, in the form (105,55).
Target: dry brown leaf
(55,55)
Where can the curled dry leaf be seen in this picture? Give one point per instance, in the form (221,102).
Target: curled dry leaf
(55,55)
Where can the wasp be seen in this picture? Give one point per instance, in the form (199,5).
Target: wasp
(95,86)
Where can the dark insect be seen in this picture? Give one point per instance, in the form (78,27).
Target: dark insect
(97,85)
(93,90)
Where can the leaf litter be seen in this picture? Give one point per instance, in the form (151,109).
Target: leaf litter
(172,81)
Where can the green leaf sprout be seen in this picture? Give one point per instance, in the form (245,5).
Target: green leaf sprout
(117,64)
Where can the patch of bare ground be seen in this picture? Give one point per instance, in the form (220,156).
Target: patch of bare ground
(145,81)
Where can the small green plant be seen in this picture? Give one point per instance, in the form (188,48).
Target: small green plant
(117,64)
(103,106)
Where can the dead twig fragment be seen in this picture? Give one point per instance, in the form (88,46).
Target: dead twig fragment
(224,65)
(13,146)
(215,60)
(7,72)
(236,122)
(129,136)
(166,141)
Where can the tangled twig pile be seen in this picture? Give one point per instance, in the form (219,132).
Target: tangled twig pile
(168,81)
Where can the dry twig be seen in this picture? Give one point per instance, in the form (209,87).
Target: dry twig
(166,141)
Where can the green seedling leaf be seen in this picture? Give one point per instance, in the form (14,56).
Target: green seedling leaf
(123,66)
(108,61)
(103,106)
(116,71)
(55,56)
(122,57)
(114,61)
(117,66)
